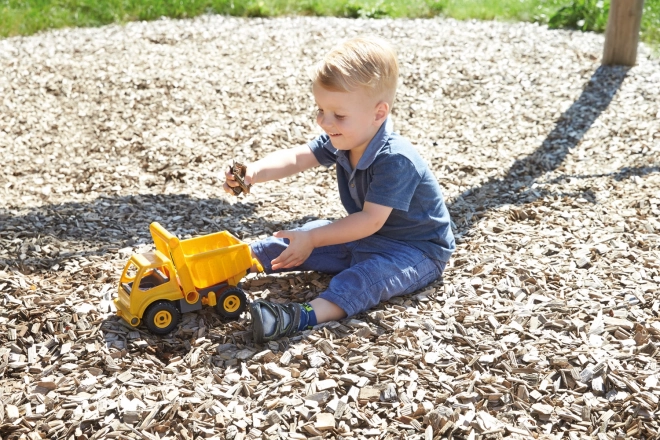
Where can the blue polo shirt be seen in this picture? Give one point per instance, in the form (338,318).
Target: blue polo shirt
(392,173)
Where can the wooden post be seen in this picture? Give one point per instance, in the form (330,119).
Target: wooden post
(622,33)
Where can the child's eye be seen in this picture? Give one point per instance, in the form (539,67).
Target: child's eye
(319,112)
(340,117)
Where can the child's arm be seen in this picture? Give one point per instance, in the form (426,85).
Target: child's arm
(275,166)
(350,228)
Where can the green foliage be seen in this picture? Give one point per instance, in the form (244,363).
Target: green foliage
(25,17)
(362,9)
(309,7)
(651,23)
(437,7)
(587,15)
(257,9)
(507,10)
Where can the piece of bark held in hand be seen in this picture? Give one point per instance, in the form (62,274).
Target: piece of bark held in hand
(238,171)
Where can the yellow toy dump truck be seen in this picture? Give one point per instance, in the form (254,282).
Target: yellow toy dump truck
(181,276)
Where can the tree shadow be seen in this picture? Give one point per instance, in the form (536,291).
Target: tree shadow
(622,174)
(50,233)
(46,235)
(515,186)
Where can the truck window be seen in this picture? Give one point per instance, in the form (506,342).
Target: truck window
(128,277)
(153,278)
(131,271)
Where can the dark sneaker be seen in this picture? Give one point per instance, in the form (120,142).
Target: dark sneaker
(291,310)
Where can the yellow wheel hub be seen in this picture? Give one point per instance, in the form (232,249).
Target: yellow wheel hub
(231,303)
(163,319)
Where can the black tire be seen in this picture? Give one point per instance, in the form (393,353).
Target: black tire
(231,302)
(162,317)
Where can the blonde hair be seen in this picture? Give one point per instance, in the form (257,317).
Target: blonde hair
(368,62)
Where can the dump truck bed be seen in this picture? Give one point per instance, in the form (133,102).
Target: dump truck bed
(215,258)
(207,260)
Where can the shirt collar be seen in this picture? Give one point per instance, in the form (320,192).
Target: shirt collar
(379,139)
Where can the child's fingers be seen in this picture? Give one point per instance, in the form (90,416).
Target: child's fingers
(281,259)
(229,175)
(230,182)
(227,188)
(281,234)
(285,260)
(286,265)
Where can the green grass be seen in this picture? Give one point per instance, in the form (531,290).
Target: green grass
(591,15)
(26,17)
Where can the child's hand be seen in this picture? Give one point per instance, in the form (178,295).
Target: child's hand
(231,183)
(299,249)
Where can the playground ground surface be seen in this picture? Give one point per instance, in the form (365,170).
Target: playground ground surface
(546,324)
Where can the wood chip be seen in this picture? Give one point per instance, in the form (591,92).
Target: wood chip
(324,421)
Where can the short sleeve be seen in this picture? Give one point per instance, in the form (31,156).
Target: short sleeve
(323,150)
(394,179)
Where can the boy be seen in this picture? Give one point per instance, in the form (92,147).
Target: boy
(396,237)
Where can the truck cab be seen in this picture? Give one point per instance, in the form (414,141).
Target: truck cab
(145,277)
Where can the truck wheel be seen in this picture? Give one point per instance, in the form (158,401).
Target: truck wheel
(162,317)
(231,302)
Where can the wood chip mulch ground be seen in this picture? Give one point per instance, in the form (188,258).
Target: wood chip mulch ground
(546,325)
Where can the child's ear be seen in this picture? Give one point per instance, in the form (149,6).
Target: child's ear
(382,111)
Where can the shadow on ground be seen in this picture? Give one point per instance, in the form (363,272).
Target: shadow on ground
(109,223)
(45,235)
(515,186)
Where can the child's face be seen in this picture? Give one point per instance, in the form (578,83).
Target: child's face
(351,119)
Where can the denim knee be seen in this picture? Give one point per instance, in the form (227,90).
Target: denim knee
(372,281)
(328,259)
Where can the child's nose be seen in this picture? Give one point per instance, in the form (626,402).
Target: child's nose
(322,121)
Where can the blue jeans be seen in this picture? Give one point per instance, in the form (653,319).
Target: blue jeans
(367,271)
